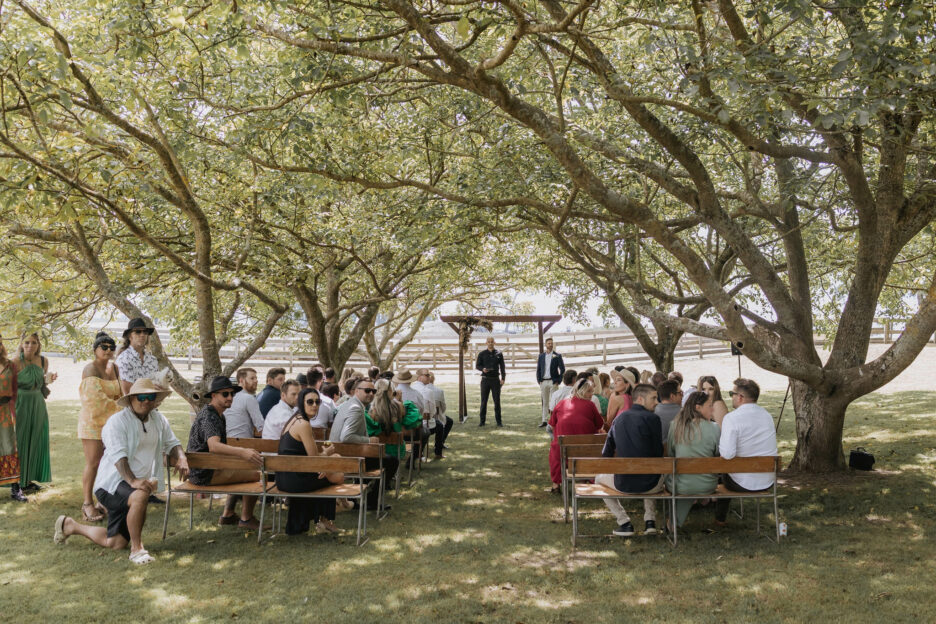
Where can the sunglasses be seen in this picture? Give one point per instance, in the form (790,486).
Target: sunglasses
(108,347)
(226,393)
(313,401)
(732,393)
(146,398)
(368,390)
(139,331)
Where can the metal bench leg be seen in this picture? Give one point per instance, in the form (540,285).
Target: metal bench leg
(166,513)
(574,519)
(776,515)
(565,497)
(262,511)
(191,510)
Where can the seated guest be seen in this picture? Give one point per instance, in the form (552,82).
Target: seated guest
(298,439)
(314,378)
(443,422)
(351,426)
(303,380)
(347,389)
(622,382)
(709,384)
(563,391)
(670,400)
(419,433)
(330,377)
(130,471)
(277,417)
(373,373)
(270,395)
(657,378)
(572,416)
(243,418)
(600,395)
(636,432)
(387,415)
(347,374)
(326,412)
(747,431)
(209,435)
(589,375)
(693,435)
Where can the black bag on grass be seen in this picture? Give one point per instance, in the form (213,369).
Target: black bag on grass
(860,459)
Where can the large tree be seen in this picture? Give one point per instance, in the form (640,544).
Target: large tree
(767,123)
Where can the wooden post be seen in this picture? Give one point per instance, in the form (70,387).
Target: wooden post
(887,331)
(190,358)
(291,356)
(700,348)
(604,352)
(542,344)
(462,398)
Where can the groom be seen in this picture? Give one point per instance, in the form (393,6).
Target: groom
(549,369)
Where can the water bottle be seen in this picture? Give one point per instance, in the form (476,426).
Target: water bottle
(783,529)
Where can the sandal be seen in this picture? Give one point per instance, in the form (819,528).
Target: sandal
(322,527)
(343,504)
(59,536)
(92,517)
(141,557)
(101,508)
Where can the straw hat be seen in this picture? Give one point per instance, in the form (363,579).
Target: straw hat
(144,385)
(626,374)
(403,377)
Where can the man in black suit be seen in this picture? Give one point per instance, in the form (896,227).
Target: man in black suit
(549,369)
(493,373)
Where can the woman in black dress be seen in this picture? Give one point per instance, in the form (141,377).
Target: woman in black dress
(298,439)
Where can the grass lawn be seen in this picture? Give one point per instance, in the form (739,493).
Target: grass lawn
(480,539)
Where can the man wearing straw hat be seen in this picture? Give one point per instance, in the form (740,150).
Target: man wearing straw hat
(134,439)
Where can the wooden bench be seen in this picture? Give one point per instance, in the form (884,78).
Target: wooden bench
(397,438)
(720,465)
(213,461)
(566,452)
(586,468)
(351,466)
(343,450)
(614,465)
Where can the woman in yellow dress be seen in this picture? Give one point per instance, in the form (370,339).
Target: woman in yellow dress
(99,390)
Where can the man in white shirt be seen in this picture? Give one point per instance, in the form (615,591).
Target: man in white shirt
(327,410)
(280,413)
(564,391)
(134,439)
(747,431)
(243,418)
(403,382)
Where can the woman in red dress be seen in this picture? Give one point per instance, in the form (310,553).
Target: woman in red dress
(574,415)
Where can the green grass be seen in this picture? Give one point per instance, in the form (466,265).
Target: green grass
(480,539)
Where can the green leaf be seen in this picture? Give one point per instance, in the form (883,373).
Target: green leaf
(463,27)
(177,18)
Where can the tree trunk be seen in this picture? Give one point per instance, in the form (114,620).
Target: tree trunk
(819,422)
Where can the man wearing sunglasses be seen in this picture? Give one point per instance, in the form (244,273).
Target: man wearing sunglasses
(350,426)
(209,435)
(135,440)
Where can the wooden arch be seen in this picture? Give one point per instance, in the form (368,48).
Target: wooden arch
(455,321)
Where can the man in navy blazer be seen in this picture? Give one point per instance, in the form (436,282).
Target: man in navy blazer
(549,369)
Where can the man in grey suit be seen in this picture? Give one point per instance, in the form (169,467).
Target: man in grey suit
(351,427)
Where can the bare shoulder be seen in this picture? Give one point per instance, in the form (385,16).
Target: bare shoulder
(90,371)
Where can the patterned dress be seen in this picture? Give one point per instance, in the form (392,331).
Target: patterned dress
(32,426)
(98,403)
(9,459)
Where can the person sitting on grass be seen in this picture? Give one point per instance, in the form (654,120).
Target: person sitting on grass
(209,435)
(747,431)
(130,471)
(299,439)
(572,416)
(636,432)
(692,434)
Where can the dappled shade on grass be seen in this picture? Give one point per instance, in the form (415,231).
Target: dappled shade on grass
(480,539)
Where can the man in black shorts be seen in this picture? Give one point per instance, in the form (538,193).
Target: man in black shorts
(135,440)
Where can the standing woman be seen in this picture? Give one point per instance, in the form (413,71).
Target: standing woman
(99,390)
(32,417)
(135,360)
(9,459)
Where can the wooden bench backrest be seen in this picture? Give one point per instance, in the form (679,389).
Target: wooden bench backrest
(320,433)
(719,465)
(258,444)
(392,438)
(583,438)
(216,461)
(583,450)
(346,449)
(622,465)
(302,463)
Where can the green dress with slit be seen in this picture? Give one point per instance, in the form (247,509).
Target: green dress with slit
(32,426)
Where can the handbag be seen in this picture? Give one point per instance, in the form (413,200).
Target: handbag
(860,459)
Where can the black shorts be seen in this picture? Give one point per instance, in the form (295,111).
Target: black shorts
(117,506)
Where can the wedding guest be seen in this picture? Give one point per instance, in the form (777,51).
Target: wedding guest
(9,458)
(32,417)
(693,434)
(99,391)
(574,415)
(134,360)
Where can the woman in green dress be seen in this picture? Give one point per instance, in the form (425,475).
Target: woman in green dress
(32,418)
(9,458)
(693,434)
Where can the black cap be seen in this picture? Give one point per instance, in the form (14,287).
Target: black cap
(137,323)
